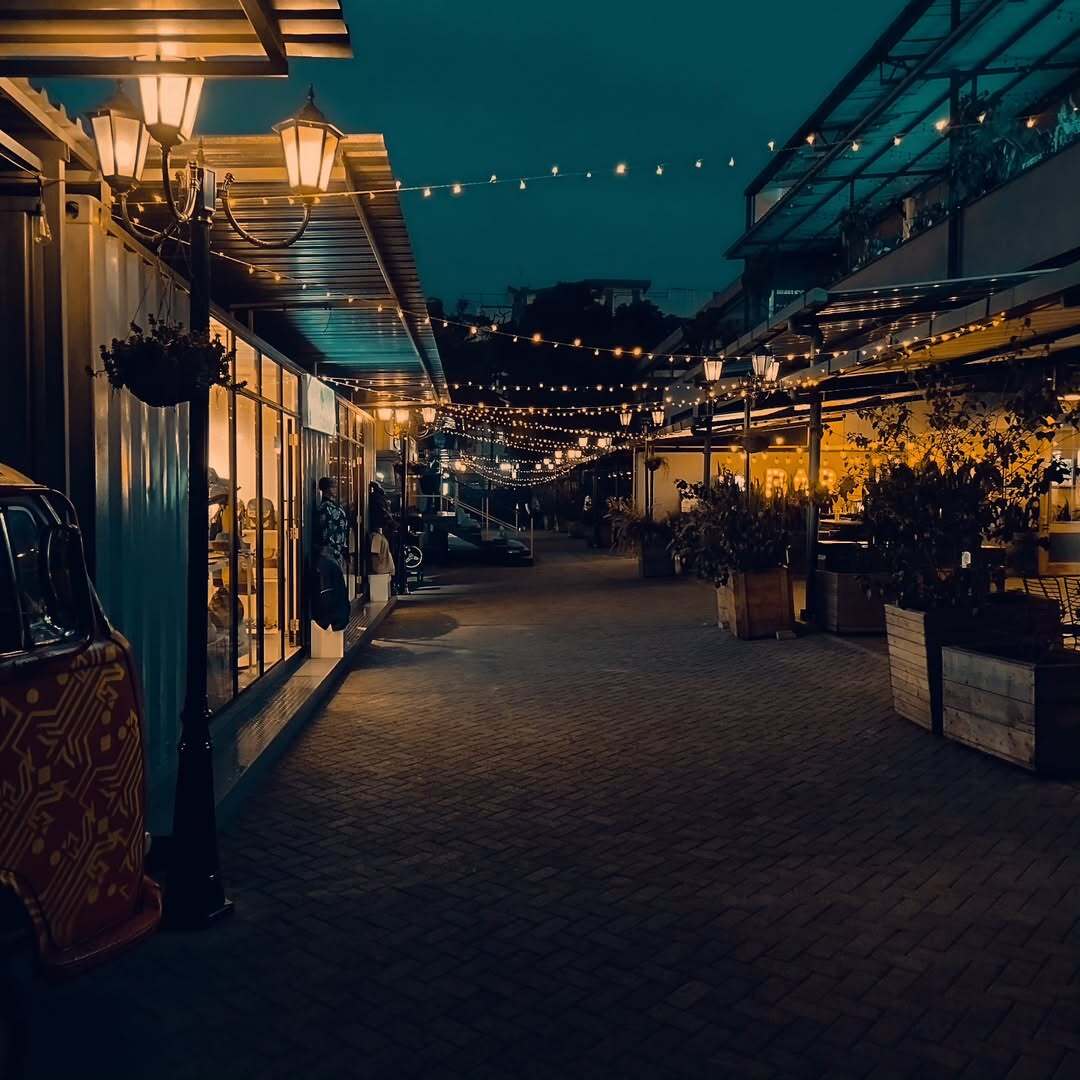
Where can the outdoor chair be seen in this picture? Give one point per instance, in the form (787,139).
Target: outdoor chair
(1066,591)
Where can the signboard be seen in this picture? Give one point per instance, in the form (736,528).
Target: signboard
(320,406)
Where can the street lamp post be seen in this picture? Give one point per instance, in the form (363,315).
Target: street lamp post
(714,368)
(195,896)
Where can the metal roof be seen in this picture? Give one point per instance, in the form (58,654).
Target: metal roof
(204,37)
(1024,54)
(876,339)
(26,114)
(319,300)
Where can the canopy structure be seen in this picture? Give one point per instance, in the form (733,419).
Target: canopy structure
(199,37)
(859,346)
(881,134)
(345,300)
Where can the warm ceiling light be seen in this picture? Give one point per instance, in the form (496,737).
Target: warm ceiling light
(384,413)
(427,414)
(625,417)
(169,104)
(942,124)
(714,368)
(121,139)
(310,143)
(658,417)
(401,416)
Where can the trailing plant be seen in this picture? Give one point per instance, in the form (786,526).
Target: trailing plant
(166,365)
(632,531)
(726,532)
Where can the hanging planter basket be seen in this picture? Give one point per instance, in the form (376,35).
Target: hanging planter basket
(166,365)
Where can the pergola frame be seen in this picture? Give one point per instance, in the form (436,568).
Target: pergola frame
(212,38)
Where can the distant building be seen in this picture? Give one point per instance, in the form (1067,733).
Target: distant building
(611,292)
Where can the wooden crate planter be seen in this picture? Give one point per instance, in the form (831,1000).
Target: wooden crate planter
(915,641)
(1021,711)
(843,606)
(757,604)
(654,560)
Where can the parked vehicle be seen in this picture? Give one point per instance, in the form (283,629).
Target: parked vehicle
(73,891)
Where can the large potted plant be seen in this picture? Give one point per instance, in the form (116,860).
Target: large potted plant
(638,534)
(739,541)
(936,496)
(166,365)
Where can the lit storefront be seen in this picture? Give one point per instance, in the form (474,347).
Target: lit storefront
(254,522)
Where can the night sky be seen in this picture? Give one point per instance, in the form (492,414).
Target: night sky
(463,90)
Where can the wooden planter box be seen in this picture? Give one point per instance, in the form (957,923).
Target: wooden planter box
(757,604)
(843,606)
(655,561)
(1020,711)
(915,641)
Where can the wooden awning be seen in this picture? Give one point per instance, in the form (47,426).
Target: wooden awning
(220,38)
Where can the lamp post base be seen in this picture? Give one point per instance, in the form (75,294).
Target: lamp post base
(194,893)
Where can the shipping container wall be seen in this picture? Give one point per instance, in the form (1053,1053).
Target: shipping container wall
(135,469)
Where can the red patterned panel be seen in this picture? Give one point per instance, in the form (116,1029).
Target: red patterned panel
(71,791)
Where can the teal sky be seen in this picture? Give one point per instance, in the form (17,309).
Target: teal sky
(463,90)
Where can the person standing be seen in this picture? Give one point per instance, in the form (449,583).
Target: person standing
(333,523)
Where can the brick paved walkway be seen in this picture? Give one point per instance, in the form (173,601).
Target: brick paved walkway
(556,825)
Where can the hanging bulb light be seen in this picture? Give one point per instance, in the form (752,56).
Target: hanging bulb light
(39,228)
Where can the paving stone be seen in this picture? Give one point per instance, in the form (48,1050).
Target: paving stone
(556,824)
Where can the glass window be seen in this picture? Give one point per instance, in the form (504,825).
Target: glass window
(271,379)
(254,514)
(269,525)
(11,638)
(247,366)
(291,393)
(46,578)
(221,603)
(247,502)
(290,521)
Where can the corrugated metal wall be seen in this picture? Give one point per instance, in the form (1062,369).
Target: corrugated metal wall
(139,467)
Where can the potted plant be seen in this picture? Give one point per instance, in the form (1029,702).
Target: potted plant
(168,364)
(932,503)
(638,534)
(739,541)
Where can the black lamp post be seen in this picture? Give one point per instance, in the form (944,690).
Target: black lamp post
(195,895)
(765,370)
(714,368)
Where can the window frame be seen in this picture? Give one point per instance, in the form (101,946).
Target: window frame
(40,506)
